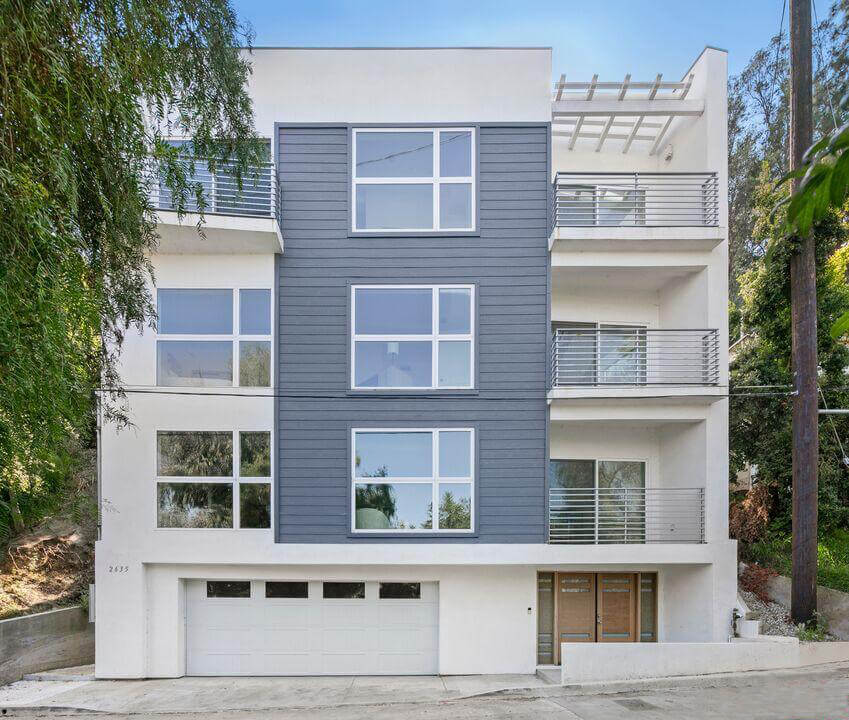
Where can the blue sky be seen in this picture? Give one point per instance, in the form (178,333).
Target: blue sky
(610,37)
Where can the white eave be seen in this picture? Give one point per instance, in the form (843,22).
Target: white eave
(628,111)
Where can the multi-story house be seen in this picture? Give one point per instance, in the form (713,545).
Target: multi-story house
(444,391)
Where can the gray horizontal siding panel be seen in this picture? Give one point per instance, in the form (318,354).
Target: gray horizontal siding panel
(507,261)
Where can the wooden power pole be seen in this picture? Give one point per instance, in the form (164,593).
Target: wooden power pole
(803,301)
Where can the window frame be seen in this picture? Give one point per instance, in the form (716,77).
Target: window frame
(435,180)
(435,480)
(235,480)
(235,337)
(434,337)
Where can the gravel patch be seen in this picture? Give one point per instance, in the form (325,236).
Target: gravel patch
(775,618)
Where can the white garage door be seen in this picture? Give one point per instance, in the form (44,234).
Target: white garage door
(311,628)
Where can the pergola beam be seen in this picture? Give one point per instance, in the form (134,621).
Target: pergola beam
(659,107)
(665,128)
(640,119)
(577,130)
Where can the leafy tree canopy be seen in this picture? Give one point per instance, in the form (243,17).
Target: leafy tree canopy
(90,90)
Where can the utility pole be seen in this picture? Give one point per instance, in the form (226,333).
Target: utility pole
(803,302)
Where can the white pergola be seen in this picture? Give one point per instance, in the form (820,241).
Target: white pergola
(631,111)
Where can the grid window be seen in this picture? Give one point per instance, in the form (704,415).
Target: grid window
(209,479)
(414,179)
(411,480)
(213,337)
(412,337)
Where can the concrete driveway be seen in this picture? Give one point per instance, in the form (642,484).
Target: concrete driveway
(821,693)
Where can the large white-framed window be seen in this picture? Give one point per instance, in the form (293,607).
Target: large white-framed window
(213,479)
(213,337)
(407,337)
(412,480)
(413,179)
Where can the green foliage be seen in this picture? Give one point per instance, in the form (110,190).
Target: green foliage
(774,551)
(89,91)
(760,428)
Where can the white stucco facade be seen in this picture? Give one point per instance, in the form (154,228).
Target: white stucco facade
(487,592)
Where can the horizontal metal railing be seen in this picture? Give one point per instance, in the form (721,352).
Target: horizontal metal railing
(619,356)
(636,199)
(258,195)
(596,516)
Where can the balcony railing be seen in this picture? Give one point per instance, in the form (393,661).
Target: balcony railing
(596,516)
(629,356)
(258,195)
(636,200)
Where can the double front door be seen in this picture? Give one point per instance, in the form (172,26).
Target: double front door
(598,607)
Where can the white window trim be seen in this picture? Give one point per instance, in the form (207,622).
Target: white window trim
(434,337)
(436,180)
(433,480)
(234,480)
(235,337)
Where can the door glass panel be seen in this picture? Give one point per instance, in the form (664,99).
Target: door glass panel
(572,500)
(648,605)
(576,205)
(622,355)
(576,354)
(620,205)
(621,503)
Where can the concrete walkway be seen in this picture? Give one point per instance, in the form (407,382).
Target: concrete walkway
(821,693)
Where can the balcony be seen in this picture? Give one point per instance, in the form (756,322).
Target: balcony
(609,356)
(626,515)
(237,219)
(655,207)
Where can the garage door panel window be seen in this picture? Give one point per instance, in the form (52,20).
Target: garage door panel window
(343,590)
(224,479)
(412,337)
(406,180)
(400,591)
(413,480)
(228,588)
(213,337)
(287,590)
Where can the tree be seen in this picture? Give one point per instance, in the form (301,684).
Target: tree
(89,91)
(760,427)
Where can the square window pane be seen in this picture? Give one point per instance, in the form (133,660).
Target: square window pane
(254,505)
(455,363)
(455,153)
(255,312)
(393,454)
(293,590)
(395,364)
(394,154)
(571,474)
(391,311)
(455,206)
(614,474)
(455,506)
(455,311)
(194,363)
(195,312)
(455,453)
(194,454)
(399,506)
(254,363)
(255,451)
(228,589)
(400,591)
(394,207)
(343,590)
(194,505)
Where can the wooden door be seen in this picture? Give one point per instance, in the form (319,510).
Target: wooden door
(576,607)
(617,607)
